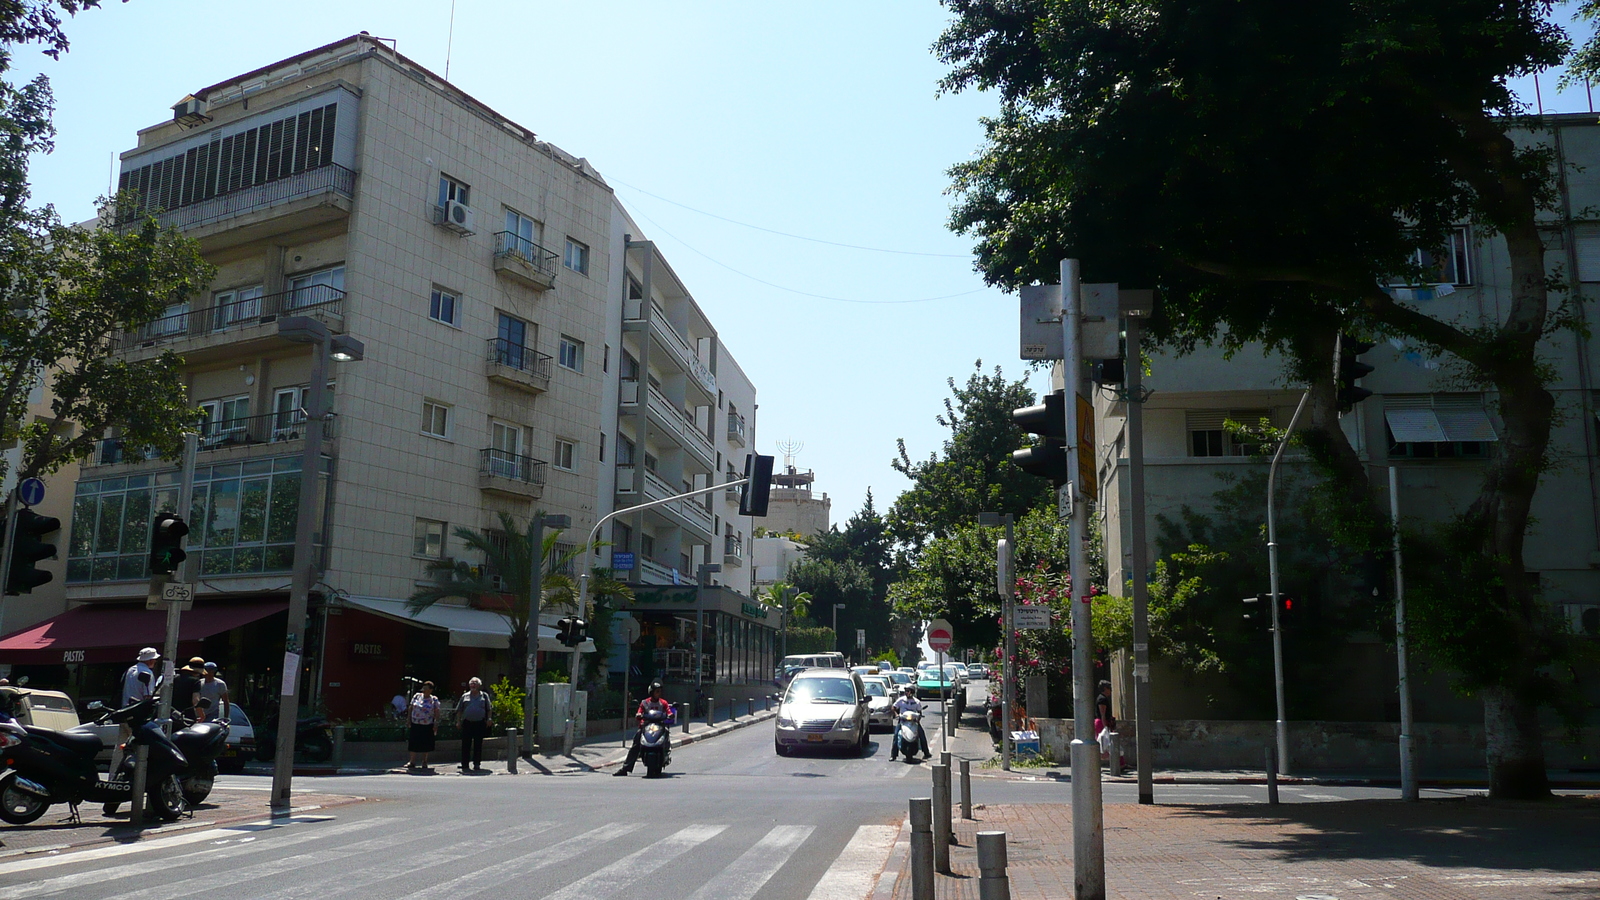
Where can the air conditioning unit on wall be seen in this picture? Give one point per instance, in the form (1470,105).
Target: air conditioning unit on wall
(457,217)
(1584,618)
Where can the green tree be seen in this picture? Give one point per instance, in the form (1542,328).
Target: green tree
(864,541)
(1157,140)
(829,583)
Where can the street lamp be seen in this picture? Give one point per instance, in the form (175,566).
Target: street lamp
(836,608)
(535,598)
(325,345)
(789,594)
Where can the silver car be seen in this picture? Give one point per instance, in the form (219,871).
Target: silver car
(881,694)
(823,708)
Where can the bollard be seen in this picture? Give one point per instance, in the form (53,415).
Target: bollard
(921,848)
(338,746)
(944,758)
(1116,754)
(941,818)
(1272,775)
(683,713)
(966,789)
(711,713)
(769,703)
(993,884)
(513,750)
(949,725)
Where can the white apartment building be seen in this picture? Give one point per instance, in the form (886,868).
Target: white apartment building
(511,365)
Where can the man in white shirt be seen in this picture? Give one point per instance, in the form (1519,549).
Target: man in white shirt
(908,701)
(138,683)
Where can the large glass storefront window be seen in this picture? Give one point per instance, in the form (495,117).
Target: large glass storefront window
(242,520)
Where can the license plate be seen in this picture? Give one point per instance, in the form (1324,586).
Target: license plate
(817,738)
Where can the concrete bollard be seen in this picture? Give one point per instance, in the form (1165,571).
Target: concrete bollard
(338,746)
(941,818)
(950,723)
(966,789)
(922,848)
(993,884)
(711,713)
(682,711)
(944,758)
(1116,754)
(1272,775)
(513,750)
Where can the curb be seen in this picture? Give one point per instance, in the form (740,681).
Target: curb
(1326,781)
(895,866)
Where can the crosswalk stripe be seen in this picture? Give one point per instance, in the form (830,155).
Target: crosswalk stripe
(129,870)
(492,876)
(853,874)
(608,881)
(741,879)
(156,842)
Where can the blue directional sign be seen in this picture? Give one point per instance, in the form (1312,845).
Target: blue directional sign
(621,561)
(31,491)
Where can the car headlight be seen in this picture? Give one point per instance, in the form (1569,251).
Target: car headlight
(785,722)
(844,724)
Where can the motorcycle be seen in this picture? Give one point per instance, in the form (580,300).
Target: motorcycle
(655,743)
(45,767)
(201,743)
(313,738)
(908,734)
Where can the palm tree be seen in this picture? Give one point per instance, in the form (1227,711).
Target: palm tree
(797,606)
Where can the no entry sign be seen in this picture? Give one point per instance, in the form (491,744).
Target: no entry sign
(940,635)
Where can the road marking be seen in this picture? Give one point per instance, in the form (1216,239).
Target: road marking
(741,879)
(157,844)
(230,846)
(637,865)
(492,876)
(854,873)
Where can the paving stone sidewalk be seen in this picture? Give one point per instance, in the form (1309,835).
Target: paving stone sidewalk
(1355,850)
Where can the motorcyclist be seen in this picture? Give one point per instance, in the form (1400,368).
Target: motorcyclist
(651,703)
(908,702)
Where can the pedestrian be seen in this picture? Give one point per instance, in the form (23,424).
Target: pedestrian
(186,687)
(474,715)
(138,683)
(1104,722)
(424,727)
(216,690)
(397,705)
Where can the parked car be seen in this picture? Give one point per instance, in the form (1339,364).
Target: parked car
(823,708)
(814,660)
(864,670)
(241,741)
(43,709)
(880,701)
(899,678)
(932,683)
(978,671)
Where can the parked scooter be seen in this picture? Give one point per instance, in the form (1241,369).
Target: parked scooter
(908,734)
(201,744)
(655,742)
(45,767)
(313,738)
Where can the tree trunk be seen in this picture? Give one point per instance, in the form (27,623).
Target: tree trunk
(1515,746)
(518,663)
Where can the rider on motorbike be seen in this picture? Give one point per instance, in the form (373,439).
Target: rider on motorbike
(651,703)
(908,702)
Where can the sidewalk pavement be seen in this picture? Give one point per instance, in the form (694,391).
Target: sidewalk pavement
(53,832)
(1470,849)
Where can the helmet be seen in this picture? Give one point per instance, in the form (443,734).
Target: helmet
(908,690)
(655,687)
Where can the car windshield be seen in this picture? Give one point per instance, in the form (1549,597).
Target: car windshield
(876,689)
(822,690)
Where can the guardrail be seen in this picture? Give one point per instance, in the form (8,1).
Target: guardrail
(224,317)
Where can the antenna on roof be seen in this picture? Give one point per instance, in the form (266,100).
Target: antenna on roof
(790,448)
(450,42)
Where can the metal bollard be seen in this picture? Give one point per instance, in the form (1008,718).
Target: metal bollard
(993,883)
(338,746)
(941,818)
(513,750)
(711,712)
(683,712)
(1116,754)
(966,789)
(922,848)
(1272,775)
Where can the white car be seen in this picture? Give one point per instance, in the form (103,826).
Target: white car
(823,709)
(880,701)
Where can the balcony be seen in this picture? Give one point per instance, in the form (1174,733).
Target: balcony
(732,550)
(524,262)
(296,202)
(242,438)
(515,365)
(225,327)
(690,512)
(736,429)
(510,474)
(652,572)
(668,336)
(667,416)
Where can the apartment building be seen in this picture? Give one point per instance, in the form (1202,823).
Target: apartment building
(1420,422)
(511,366)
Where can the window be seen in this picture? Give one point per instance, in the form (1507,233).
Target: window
(288,413)
(630,367)
(511,342)
(647,545)
(621,536)
(571,353)
(635,289)
(314,288)
(522,227)
(174,320)
(505,443)
(235,306)
(649,461)
(624,450)
(602,446)
(451,189)
(566,455)
(224,419)
(436,419)
(429,539)
(1451,265)
(577,258)
(605,359)
(564,558)
(1209,434)
(444,306)
(1437,426)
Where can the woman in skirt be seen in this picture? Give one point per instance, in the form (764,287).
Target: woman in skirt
(424,718)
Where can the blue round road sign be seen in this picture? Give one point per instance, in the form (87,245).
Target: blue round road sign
(31,491)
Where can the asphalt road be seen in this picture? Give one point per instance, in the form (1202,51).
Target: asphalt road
(732,820)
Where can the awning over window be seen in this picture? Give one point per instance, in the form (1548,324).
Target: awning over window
(96,634)
(1436,418)
(468,627)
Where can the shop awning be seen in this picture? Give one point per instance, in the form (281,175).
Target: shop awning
(95,634)
(468,627)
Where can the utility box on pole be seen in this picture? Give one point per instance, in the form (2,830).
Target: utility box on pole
(554,701)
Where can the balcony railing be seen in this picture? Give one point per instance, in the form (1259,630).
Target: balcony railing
(506,464)
(736,428)
(732,546)
(321,298)
(272,428)
(520,357)
(331,178)
(515,246)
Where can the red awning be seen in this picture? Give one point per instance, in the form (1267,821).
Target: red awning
(115,633)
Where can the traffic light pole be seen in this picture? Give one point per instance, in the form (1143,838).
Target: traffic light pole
(1088,827)
(1134,373)
(1272,565)
(10,536)
(1408,768)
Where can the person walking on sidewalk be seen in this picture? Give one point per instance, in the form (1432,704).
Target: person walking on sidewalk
(651,703)
(474,715)
(216,690)
(424,717)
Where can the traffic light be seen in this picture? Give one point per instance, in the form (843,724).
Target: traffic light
(1286,610)
(571,631)
(166,543)
(1350,370)
(1049,421)
(27,549)
(1258,612)
(754,493)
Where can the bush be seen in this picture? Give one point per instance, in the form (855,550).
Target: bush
(506,702)
(553,676)
(810,640)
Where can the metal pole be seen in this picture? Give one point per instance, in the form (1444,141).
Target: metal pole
(1272,777)
(577,660)
(966,789)
(1272,564)
(305,570)
(1008,685)
(1408,769)
(944,708)
(1088,825)
(1142,711)
(530,678)
(12,502)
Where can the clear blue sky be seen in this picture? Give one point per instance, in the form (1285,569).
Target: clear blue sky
(819,119)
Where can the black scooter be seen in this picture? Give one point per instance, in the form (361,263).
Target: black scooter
(313,738)
(201,744)
(44,767)
(655,742)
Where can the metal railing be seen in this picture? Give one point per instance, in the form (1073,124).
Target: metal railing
(271,428)
(223,317)
(520,357)
(736,427)
(513,466)
(514,245)
(732,546)
(331,178)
